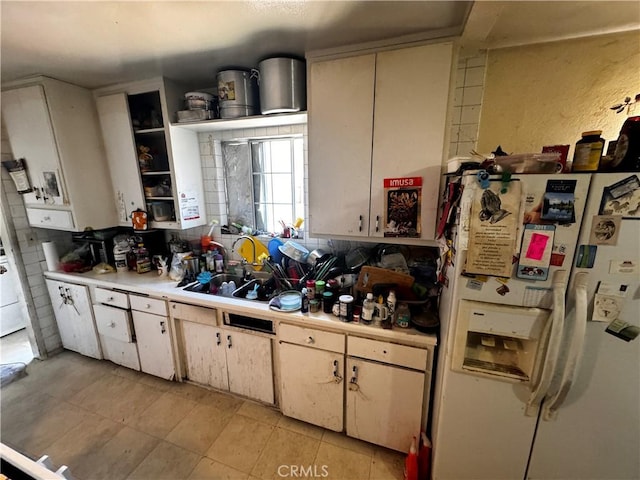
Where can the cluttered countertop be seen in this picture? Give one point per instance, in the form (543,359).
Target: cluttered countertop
(162,287)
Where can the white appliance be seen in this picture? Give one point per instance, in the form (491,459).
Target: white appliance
(528,386)
(12,316)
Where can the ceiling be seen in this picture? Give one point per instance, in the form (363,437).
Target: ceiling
(100,43)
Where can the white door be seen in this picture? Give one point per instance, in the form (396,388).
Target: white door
(340,137)
(74,315)
(154,344)
(204,355)
(60,311)
(26,117)
(412,92)
(384,403)
(113,112)
(250,366)
(311,385)
(602,406)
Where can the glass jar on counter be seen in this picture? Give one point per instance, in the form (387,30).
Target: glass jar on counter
(346,308)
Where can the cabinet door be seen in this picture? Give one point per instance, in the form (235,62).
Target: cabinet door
(74,317)
(340,138)
(28,124)
(154,344)
(311,386)
(250,366)
(60,311)
(412,92)
(384,403)
(204,355)
(115,122)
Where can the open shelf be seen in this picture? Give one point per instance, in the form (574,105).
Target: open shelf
(257,121)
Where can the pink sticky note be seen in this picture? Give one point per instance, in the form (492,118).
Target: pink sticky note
(536,247)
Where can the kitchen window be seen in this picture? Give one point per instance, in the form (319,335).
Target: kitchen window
(265,181)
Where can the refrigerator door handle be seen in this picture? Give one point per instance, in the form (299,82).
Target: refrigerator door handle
(553,347)
(574,355)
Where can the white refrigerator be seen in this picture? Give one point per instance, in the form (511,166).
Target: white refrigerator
(532,388)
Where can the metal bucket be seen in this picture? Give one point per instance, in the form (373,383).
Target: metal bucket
(238,93)
(282,85)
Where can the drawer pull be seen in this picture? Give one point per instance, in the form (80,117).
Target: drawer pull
(310,340)
(218,338)
(229,344)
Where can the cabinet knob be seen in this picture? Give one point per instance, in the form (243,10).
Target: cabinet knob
(162,328)
(148,305)
(229,341)
(310,340)
(377,223)
(218,338)
(360,223)
(110,299)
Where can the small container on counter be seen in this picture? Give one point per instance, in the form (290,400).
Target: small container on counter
(327,302)
(311,289)
(346,308)
(314,305)
(304,307)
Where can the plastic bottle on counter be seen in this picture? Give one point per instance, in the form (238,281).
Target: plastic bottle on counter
(368,306)
(304,308)
(588,152)
(391,303)
(403,316)
(120,251)
(219,262)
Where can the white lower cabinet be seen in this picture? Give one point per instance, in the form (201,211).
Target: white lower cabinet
(311,376)
(385,403)
(220,357)
(72,308)
(152,336)
(116,328)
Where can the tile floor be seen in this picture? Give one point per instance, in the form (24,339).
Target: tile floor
(105,421)
(15,347)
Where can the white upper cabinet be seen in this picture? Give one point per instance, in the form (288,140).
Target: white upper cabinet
(53,125)
(371,117)
(154,166)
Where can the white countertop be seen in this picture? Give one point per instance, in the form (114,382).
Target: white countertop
(162,287)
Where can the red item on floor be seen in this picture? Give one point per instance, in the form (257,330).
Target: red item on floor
(424,457)
(411,462)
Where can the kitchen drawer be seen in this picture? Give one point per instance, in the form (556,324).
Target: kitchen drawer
(149,305)
(333,342)
(39,217)
(401,355)
(109,297)
(206,316)
(113,322)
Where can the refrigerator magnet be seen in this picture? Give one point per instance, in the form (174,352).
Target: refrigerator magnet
(606,308)
(605,229)
(622,198)
(586,256)
(558,201)
(623,330)
(535,255)
(617,267)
